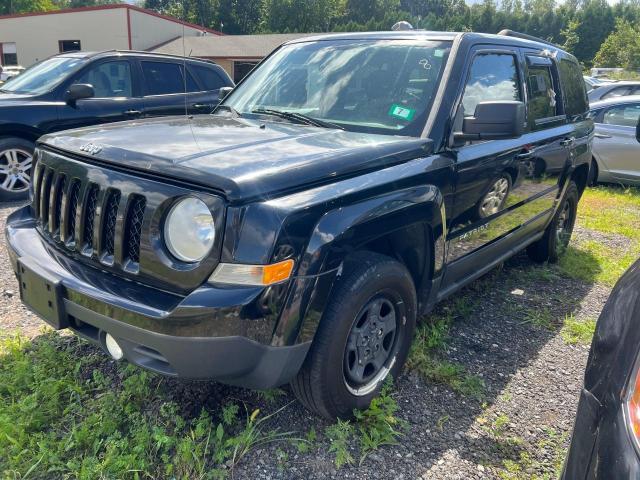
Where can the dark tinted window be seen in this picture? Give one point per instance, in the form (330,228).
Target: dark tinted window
(208,77)
(109,79)
(624,115)
(576,102)
(166,78)
(69,45)
(542,95)
(492,77)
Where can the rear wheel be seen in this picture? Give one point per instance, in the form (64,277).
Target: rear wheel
(364,337)
(495,198)
(557,235)
(16,157)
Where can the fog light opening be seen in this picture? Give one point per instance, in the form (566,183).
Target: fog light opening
(113,348)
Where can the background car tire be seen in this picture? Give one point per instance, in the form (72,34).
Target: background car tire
(15,155)
(592,180)
(322,385)
(557,235)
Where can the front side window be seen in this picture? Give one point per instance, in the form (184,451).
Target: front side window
(493,77)
(373,86)
(167,78)
(43,76)
(109,80)
(543,98)
(208,77)
(623,115)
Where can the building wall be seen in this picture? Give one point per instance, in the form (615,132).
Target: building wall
(225,63)
(149,31)
(37,36)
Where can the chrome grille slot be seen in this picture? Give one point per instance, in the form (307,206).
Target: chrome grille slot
(56,209)
(89,218)
(133,228)
(110,216)
(45,190)
(73,202)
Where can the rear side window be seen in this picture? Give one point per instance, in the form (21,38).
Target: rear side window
(493,77)
(617,92)
(208,77)
(624,115)
(543,98)
(575,96)
(166,78)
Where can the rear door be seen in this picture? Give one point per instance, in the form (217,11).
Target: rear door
(117,95)
(615,141)
(166,87)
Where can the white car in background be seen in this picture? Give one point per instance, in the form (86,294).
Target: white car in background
(616,151)
(10,71)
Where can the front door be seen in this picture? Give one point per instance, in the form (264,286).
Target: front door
(115,96)
(505,187)
(615,141)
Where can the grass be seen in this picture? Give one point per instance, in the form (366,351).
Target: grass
(578,331)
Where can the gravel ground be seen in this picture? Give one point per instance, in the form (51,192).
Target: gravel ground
(532,379)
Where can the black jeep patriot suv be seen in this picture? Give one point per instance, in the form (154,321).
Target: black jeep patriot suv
(296,234)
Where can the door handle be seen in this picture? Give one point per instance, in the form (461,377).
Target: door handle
(132,113)
(568,142)
(601,135)
(524,156)
(201,106)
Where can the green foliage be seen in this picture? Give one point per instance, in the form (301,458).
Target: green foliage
(65,414)
(578,331)
(341,435)
(621,48)
(452,375)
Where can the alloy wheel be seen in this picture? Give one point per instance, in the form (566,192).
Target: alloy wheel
(15,170)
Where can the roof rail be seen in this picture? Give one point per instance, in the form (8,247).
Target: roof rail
(511,33)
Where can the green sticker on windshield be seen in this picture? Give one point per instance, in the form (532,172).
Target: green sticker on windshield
(399,111)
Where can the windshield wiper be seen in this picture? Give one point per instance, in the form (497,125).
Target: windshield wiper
(228,108)
(297,117)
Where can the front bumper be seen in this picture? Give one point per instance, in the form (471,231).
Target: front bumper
(213,333)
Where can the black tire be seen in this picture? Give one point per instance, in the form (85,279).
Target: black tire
(592,179)
(557,235)
(322,385)
(18,189)
(480,210)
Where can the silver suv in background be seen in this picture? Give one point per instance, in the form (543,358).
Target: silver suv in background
(614,90)
(616,152)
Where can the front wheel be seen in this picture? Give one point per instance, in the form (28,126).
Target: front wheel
(557,235)
(16,157)
(364,337)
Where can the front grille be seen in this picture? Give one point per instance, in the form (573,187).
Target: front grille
(69,209)
(112,219)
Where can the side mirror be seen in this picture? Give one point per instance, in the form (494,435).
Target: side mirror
(223,92)
(493,120)
(78,91)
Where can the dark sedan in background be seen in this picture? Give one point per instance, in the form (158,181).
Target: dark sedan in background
(606,436)
(81,89)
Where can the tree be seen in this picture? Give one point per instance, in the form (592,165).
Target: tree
(621,48)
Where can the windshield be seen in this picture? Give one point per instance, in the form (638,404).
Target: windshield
(43,76)
(376,86)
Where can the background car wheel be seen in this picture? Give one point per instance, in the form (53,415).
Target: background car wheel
(557,235)
(592,180)
(364,337)
(495,198)
(16,156)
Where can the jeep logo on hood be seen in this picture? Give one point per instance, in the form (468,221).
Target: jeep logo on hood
(91,149)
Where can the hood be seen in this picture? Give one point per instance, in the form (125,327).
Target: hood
(239,157)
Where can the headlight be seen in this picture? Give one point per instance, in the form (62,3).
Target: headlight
(189,230)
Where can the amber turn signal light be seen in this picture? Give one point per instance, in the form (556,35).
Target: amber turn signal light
(256,275)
